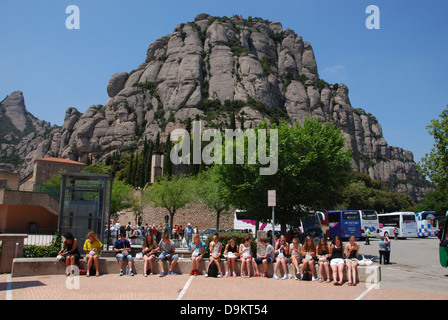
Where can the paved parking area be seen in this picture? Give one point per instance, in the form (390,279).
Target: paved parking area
(413,274)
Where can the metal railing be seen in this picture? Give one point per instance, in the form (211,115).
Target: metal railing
(39,237)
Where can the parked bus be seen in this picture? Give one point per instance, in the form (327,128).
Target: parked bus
(242,222)
(443,245)
(369,219)
(427,223)
(344,223)
(405,222)
(312,226)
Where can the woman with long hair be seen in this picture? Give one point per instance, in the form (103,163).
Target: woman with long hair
(245,257)
(337,263)
(149,253)
(309,255)
(295,250)
(215,254)
(352,251)
(92,247)
(197,249)
(323,254)
(231,253)
(282,254)
(70,252)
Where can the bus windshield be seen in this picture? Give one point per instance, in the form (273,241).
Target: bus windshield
(369,215)
(431,217)
(312,220)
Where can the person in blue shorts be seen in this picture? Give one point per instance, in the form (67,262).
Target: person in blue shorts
(266,258)
(168,250)
(122,248)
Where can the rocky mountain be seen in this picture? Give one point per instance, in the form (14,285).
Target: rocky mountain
(210,69)
(20,131)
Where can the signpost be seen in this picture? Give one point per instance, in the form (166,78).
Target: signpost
(272,203)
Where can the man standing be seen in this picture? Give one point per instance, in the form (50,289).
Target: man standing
(367,236)
(128,230)
(123,249)
(188,234)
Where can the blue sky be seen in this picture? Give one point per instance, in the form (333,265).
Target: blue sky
(398,73)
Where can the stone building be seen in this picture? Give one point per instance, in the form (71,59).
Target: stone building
(44,168)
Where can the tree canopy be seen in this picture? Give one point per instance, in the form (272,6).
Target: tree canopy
(312,166)
(435,164)
(172,193)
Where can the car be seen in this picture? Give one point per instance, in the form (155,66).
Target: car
(204,235)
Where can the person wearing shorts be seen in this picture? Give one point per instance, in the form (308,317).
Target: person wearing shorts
(337,263)
(122,248)
(264,259)
(168,250)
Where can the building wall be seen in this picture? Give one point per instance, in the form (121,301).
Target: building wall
(17,218)
(43,170)
(9,180)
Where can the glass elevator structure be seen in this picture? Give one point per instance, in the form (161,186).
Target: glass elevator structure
(84,205)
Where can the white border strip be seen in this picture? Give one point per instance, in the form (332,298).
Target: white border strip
(184,290)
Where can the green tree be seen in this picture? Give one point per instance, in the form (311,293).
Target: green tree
(167,164)
(121,196)
(433,201)
(363,192)
(138,200)
(312,166)
(434,165)
(210,191)
(172,193)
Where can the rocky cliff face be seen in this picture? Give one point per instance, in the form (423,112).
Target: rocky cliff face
(209,69)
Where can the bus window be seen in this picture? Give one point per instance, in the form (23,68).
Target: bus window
(350,216)
(408,218)
(369,215)
(334,217)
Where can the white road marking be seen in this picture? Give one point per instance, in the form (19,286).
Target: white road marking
(184,290)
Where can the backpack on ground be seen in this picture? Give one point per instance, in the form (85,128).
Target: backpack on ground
(213,270)
(306,276)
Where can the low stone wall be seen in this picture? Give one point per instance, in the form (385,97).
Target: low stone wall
(196,214)
(108,265)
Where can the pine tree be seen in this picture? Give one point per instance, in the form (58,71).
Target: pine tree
(130,170)
(167,165)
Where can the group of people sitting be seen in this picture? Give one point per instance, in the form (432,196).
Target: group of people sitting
(335,256)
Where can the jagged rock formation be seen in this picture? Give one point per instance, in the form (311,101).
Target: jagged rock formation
(209,69)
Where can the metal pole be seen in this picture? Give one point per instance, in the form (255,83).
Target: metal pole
(109,209)
(273,227)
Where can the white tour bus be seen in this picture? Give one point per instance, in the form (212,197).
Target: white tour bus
(369,219)
(405,222)
(242,222)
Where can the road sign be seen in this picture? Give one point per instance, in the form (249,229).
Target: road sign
(271,198)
